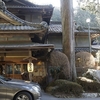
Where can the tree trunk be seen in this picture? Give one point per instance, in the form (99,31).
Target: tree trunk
(68,34)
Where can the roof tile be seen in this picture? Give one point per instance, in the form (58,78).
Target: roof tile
(23,25)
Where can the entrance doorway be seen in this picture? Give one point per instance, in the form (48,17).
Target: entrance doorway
(15,70)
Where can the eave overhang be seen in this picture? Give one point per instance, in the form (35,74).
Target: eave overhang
(26,46)
(21,31)
(2,15)
(17,24)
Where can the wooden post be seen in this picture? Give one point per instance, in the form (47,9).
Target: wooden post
(68,34)
(30,58)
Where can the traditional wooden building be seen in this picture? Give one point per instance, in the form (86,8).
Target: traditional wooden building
(29,11)
(26,32)
(81,37)
(82,43)
(22,41)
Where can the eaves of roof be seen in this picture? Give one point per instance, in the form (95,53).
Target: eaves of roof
(30,7)
(27,3)
(16,27)
(15,23)
(5,28)
(26,46)
(57,28)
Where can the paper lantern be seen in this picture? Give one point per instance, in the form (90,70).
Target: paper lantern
(30,67)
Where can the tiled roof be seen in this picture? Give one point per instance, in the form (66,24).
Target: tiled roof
(31,7)
(14,27)
(57,28)
(25,4)
(21,24)
(22,2)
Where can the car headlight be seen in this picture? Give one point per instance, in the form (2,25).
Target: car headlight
(35,88)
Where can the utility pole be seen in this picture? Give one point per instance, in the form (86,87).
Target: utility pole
(88,21)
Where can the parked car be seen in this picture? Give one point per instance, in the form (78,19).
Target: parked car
(14,89)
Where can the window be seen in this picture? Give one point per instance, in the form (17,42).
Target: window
(17,69)
(9,69)
(25,67)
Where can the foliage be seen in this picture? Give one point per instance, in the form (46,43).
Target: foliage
(56,15)
(60,60)
(93,6)
(55,72)
(80,17)
(64,87)
(85,59)
(90,5)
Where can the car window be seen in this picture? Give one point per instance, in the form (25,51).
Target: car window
(1,82)
(4,78)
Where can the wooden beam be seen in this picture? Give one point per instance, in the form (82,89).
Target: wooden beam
(21,32)
(10,20)
(39,47)
(14,51)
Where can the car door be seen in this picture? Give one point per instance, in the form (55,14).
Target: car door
(11,90)
(2,91)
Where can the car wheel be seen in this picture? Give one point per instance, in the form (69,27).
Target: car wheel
(23,96)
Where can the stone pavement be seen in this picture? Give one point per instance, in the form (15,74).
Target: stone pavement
(46,96)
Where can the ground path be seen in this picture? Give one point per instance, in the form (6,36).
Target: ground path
(46,96)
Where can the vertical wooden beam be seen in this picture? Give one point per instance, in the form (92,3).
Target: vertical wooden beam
(68,34)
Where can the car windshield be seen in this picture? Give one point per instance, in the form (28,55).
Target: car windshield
(5,78)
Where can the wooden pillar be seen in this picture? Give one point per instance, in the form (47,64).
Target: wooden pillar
(68,34)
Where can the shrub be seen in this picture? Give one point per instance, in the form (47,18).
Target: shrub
(64,87)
